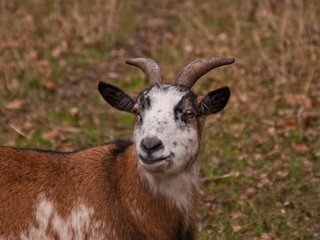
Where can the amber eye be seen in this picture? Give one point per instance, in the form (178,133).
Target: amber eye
(135,112)
(190,114)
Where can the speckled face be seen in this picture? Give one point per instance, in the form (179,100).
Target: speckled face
(169,123)
(166,132)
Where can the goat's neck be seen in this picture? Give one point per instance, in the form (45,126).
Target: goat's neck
(153,201)
(180,191)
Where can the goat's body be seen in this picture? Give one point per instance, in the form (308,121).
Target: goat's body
(148,190)
(96,193)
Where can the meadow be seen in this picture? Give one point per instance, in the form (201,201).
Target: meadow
(260,157)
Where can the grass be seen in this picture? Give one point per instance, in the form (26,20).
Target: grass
(260,157)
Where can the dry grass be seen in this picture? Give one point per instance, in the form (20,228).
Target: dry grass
(260,157)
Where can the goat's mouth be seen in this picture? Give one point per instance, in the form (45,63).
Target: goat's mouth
(151,160)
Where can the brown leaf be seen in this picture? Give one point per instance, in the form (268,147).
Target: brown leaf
(237,214)
(282,174)
(15,104)
(248,193)
(55,134)
(156,22)
(257,139)
(287,125)
(308,165)
(208,206)
(13,84)
(57,51)
(28,126)
(264,180)
(51,86)
(64,147)
(74,111)
(265,236)
(236,228)
(43,63)
(300,148)
(298,100)
(31,55)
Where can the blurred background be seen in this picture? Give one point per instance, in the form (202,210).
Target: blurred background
(260,174)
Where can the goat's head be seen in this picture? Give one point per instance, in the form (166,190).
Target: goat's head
(169,119)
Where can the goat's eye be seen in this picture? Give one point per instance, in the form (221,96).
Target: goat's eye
(136,112)
(190,114)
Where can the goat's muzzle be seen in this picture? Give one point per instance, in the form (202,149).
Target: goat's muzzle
(151,148)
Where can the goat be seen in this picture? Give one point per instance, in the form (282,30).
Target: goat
(122,190)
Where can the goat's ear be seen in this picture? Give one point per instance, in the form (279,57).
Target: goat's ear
(214,102)
(116,97)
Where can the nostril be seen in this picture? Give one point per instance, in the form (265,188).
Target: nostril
(151,144)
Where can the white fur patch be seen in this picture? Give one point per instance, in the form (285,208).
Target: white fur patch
(77,225)
(178,189)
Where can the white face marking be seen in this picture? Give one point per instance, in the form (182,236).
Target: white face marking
(180,139)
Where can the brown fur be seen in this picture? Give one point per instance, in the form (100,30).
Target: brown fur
(101,180)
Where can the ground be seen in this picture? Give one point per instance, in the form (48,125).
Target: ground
(260,157)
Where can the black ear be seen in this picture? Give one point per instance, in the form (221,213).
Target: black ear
(214,102)
(116,97)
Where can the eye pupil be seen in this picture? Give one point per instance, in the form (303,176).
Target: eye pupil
(135,112)
(190,114)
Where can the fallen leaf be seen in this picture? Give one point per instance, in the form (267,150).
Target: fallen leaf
(237,214)
(286,203)
(265,236)
(282,174)
(264,180)
(156,22)
(236,228)
(298,100)
(74,112)
(248,172)
(31,55)
(119,52)
(300,148)
(208,206)
(13,84)
(57,51)
(15,104)
(51,86)
(43,63)
(28,126)
(287,125)
(271,131)
(308,165)
(257,139)
(55,134)
(64,147)
(113,75)
(248,193)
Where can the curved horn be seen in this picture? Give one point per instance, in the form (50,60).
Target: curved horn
(149,67)
(191,73)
